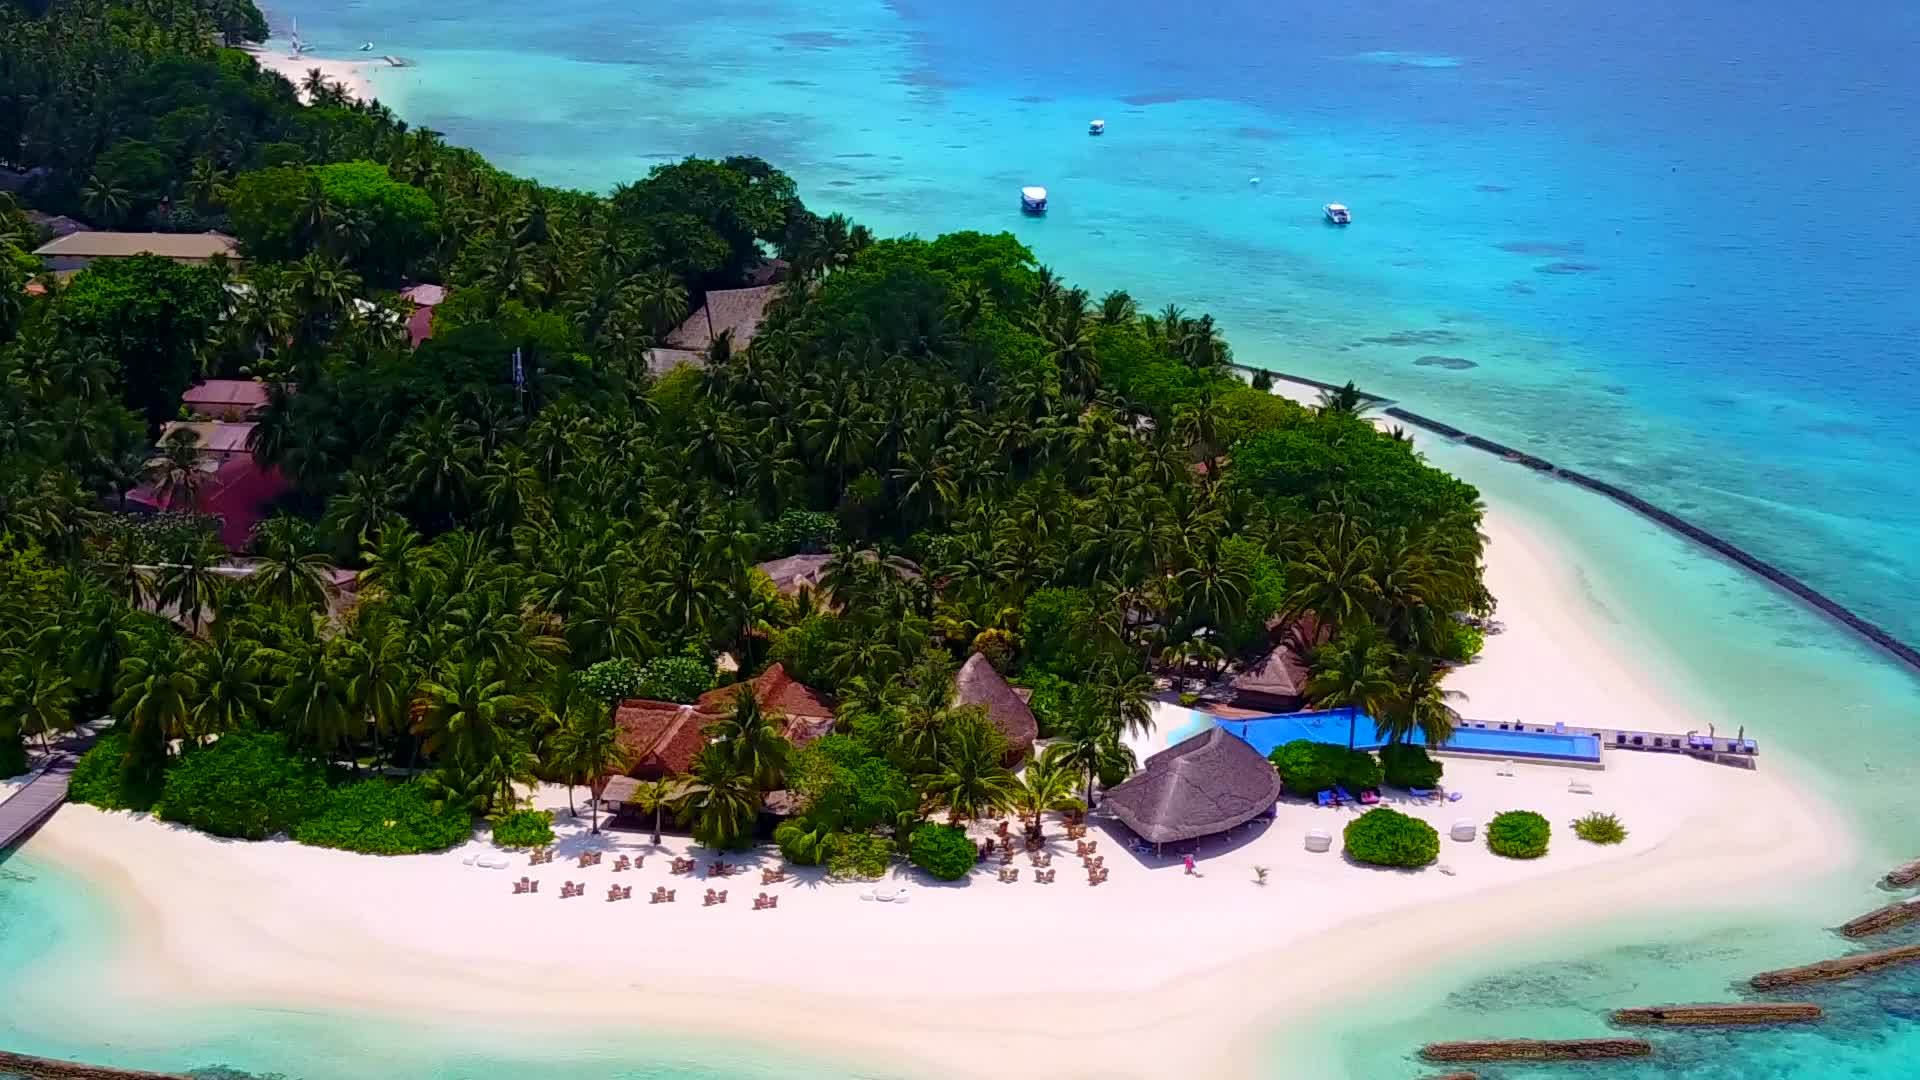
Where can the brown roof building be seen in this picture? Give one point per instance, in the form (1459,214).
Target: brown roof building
(796,572)
(736,313)
(979,684)
(665,737)
(1278,680)
(76,250)
(1204,785)
(226,399)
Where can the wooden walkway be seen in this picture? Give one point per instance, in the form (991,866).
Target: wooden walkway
(29,807)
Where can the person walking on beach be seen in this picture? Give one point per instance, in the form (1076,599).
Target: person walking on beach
(1189,861)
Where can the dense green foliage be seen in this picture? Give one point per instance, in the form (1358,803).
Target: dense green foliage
(385,817)
(245,785)
(997,461)
(1518,834)
(1383,837)
(943,851)
(13,754)
(100,778)
(1307,767)
(675,678)
(1404,765)
(1599,828)
(523,828)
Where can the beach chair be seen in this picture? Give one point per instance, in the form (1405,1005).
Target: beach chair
(1579,787)
(1342,796)
(520,886)
(1422,793)
(708,901)
(533,886)
(1324,798)
(1369,798)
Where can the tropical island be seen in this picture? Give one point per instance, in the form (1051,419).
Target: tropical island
(360,499)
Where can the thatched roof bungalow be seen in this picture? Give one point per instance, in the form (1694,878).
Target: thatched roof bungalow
(737,313)
(664,737)
(979,684)
(1278,680)
(1204,785)
(796,572)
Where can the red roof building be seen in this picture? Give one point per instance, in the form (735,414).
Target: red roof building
(226,399)
(665,737)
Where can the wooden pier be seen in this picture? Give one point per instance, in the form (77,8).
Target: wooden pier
(31,806)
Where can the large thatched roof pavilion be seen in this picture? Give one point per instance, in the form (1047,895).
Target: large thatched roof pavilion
(979,684)
(1204,785)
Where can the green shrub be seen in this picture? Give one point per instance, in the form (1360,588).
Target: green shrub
(1383,837)
(101,778)
(1518,834)
(382,817)
(1188,699)
(798,532)
(676,678)
(1457,641)
(245,785)
(612,680)
(1048,699)
(1600,828)
(523,828)
(1404,765)
(1306,767)
(859,855)
(943,851)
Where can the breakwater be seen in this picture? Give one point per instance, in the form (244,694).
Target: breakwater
(1781,579)
(49,1069)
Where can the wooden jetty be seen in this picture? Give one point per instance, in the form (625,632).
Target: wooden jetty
(1885,918)
(1745,1012)
(1537,1050)
(32,805)
(1901,876)
(1845,967)
(35,1068)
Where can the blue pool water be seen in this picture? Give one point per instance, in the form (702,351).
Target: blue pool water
(1355,728)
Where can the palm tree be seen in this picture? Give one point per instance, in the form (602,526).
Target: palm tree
(437,455)
(40,697)
(1419,703)
(179,471)
(658,300)
(192,584)
(152,694)
(1346,401)
(290,574)
(1044,787)
(970,780)
(655,796)
(1088,741)
(589,746)
(229,670)
(312,705)
(379,676)
(1354,671)
(719,799)
(467,717)
(105,199)
(751,738)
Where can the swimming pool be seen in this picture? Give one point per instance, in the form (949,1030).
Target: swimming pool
(1263,733)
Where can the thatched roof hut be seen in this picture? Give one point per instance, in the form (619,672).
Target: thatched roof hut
(796,572)
(664,737)
(1204,785)
(1278,680)
(979,684)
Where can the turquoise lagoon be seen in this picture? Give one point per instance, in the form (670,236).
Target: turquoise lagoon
(1666,244)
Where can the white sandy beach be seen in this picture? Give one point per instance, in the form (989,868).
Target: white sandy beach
(357,76)
(1054,973)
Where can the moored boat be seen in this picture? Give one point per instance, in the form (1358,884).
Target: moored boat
(1033,200)
(1338,214)
(1098,127)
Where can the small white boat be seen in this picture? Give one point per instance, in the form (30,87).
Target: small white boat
(368,47)
(1033,200)
(1338,214)
(1098,127)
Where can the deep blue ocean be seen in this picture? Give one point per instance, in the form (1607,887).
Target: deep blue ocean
(1670,244)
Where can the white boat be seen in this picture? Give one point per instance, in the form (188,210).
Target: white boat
(1098,127)
(368,47)
(1338,214)
(1033,200)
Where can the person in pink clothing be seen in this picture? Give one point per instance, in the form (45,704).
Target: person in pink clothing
(1189,864)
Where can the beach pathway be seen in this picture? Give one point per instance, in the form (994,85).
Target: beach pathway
(33,803)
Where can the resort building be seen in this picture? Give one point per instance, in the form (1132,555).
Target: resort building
(1277,682)
(227,400)
(979,684)
(735,313)
(1204,785)
(423,299)
(234,487)
(664,737)
(76,250)
(796,572)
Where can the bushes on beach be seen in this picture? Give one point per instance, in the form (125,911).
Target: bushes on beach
(383,817)
(943,851)
(1404,765)
(1518,834)
(1383,837)
(1599,828)
(1306,767)
(862,856)
(101,778)
(523,828)
(245,785)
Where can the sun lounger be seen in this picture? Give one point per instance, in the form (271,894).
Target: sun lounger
(1579,787)
(1423,793)
(1324,798)
(1369,798)
(1342,795)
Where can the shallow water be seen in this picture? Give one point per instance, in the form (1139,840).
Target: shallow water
(1667,244)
